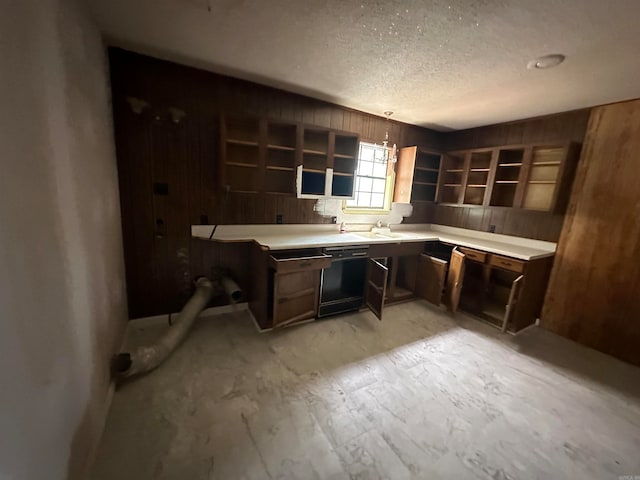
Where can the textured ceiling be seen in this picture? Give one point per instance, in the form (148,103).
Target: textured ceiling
(443,64)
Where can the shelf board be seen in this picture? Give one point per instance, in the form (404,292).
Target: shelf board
(242,142)
(343,174)
(425,169)
(543,182)
(284,169)
(545,164)
(313,152)
(507,182)
(313,170)
(510,164)
(281,147)
(425,183)
(476,186)
(479,169)
(452,185)
(341,155)
(286,194)
(495,310)
(244,191)
(455,170)
(240,164)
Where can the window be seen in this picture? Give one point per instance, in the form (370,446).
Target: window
(373,187)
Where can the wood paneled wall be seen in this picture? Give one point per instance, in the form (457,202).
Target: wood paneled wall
(563,127)
(593,291)
(151,149)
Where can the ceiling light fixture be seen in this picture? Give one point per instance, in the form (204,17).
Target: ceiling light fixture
(390,151)
(546,61)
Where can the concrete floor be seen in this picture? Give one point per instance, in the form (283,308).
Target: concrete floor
(420,395)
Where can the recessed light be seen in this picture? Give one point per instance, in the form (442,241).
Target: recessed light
(547,61)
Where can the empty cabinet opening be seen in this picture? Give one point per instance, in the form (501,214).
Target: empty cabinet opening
(497,296)
(507,175)
(405,277)
(452,183)
(472,287)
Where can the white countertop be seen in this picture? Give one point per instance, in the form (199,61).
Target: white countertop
(284,237)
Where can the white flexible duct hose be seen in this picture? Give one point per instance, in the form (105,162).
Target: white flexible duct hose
(145,359)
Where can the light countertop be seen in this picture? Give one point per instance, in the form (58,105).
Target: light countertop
(285,237)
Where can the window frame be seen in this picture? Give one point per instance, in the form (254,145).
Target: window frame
(388,190)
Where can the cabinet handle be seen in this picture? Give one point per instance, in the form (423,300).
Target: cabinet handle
(508,264)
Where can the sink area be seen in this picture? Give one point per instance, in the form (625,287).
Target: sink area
(368,234)
(382,235)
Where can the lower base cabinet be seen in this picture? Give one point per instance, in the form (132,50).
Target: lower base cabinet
(296,285)
(506,292)
(503,291)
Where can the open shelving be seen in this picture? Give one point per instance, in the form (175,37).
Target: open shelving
(507,177)
(477,177)
(345,160)
(417,175)
(452,178)
(544,173)
(280,162)
(425,176)
(260,155)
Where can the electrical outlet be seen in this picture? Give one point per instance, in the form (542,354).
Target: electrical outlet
(279,218)
(334,219)
(492,229)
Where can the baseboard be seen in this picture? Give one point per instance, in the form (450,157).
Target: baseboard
(207,312)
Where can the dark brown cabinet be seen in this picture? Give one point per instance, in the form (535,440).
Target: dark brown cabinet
(532,177)
(430,282)
(505,292)
(261,155)
(376,287)
(417,173)
(295,279)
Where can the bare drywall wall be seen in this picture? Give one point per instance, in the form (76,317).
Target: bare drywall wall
(62,296)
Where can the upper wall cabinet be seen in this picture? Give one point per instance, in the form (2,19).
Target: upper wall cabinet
(533,177)
(329,161)
(417,173)
(268,156)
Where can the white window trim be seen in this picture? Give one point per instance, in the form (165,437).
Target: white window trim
(388,192)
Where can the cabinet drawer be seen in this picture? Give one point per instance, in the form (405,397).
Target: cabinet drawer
(507,263)
(296,264)
(475,255)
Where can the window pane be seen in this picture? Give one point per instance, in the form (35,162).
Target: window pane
(378,185)
(365,168)
(366,153)
(379,169)
(377,200)
(370,192)
(365,184)
(364,199)
(379,154)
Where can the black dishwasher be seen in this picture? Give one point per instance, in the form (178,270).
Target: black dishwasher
(342,284)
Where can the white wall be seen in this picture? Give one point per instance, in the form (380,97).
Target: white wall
(62,296)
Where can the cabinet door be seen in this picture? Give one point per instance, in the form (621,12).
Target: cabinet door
(295,297)
(376,287)
(430,278)
(513,299)
(454,280)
